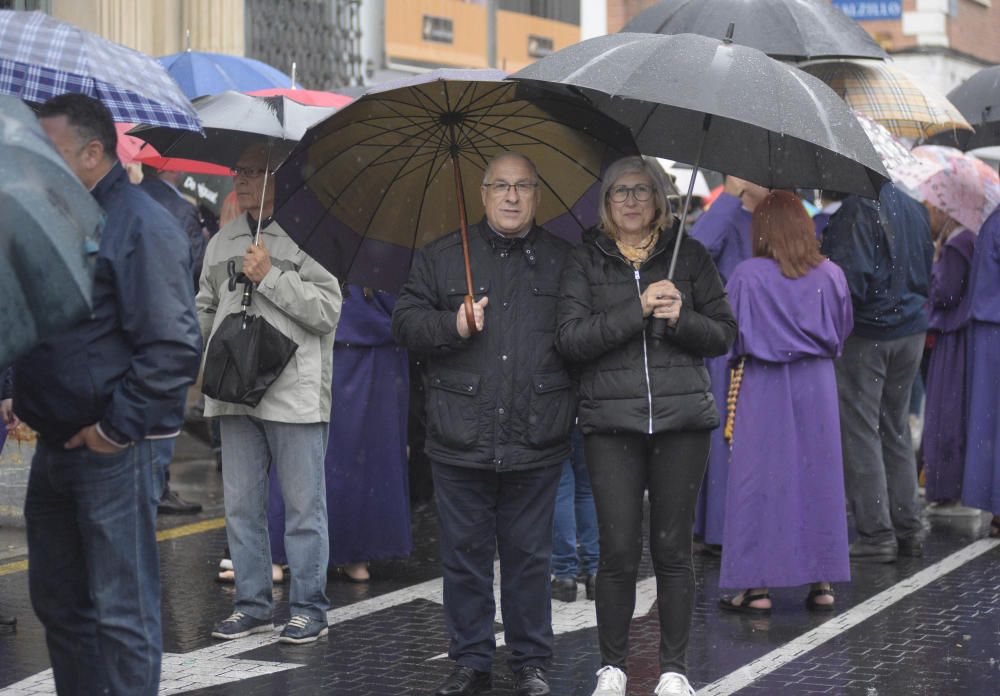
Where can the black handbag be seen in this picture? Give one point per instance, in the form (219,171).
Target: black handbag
(245,356)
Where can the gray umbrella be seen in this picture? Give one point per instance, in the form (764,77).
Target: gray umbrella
(49,235)
(978,98)
(783,29)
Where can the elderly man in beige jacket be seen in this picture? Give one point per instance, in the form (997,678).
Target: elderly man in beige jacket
(288,428)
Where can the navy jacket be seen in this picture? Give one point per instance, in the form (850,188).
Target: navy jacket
(129,365)
(887,270)
(186,214)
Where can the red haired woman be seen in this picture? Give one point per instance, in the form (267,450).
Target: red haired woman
(785,520)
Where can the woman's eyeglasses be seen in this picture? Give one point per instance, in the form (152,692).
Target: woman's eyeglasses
(641,192)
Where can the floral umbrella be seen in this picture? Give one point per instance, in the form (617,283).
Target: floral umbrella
(964,188)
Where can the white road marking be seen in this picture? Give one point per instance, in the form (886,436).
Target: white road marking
(216,664)
(794,649)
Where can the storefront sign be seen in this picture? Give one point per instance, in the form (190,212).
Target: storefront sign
(863,10)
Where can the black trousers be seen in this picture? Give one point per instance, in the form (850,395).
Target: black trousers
(483,512)
(622,467)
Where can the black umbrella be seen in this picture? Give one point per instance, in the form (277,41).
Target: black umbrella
(978,98)
(49,235)
(783,29)
(720,105)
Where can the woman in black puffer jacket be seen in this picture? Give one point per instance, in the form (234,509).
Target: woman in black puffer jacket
(645,406)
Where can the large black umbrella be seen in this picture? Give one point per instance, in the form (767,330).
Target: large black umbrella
(720,105)
(398,168)
(49,235)
(783,29)
(978,98)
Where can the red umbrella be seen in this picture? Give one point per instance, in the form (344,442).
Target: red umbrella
(310,97)
(132,149)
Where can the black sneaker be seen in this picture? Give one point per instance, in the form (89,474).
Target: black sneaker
(240,625)
(564,589)
(303,629)
(173,504)
(8,623)
(912,547)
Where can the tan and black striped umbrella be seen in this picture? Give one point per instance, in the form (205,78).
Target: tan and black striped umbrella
(887,95)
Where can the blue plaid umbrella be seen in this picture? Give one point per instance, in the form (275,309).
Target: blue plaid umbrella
(41,58)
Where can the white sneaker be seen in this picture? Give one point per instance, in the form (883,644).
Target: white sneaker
(610,682)
(673,684)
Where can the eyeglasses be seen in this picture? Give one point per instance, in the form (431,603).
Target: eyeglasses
(502,188)
(641,193)
(248,172)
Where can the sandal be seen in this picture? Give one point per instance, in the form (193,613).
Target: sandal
(727,603)
(813,605)
(228,577)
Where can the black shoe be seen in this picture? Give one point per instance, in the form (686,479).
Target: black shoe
(882,552)
(8,623)
(173,504)
(531,681)
(564,589)
(590,585)
(465,681)
(912,547)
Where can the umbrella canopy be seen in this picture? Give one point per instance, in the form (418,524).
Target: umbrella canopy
(49,235)
(887,95)
(901,164)
(783,29)
(132,149)
(41,58)
(307,96)
(233,122)
(201,73)
(963,187)
(978,98)
(759,119)
(383,176)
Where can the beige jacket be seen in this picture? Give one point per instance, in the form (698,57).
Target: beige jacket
(298,297)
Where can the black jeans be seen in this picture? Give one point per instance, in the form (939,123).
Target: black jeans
(671,466)
(484,513)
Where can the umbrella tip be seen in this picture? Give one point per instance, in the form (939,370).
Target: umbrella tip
(729,33)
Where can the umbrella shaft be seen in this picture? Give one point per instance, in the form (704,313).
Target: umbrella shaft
(470,317)
(687,199)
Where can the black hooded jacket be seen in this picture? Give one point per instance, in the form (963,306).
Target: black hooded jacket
(630,383)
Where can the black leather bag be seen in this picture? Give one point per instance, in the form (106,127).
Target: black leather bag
(245,356)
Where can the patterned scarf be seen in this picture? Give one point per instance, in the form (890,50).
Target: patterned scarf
(638,253)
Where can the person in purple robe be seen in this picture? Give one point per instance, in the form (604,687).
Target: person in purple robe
(981,483)
(724,230)
(785,505)
(367,487)
(945,414)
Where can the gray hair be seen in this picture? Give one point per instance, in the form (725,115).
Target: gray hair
(509,154)
(635,165)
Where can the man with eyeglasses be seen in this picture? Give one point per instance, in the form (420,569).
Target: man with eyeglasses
(287,429)
(500,409)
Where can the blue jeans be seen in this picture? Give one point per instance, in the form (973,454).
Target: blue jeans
(575,519)
(93,568)
(163,453)
(250,446)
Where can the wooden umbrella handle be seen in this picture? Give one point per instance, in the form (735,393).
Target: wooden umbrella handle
(470,315)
